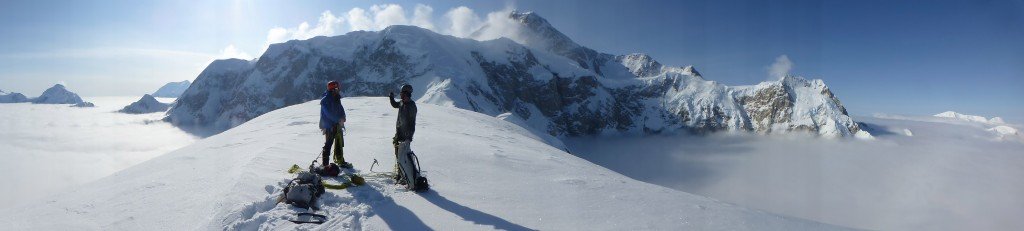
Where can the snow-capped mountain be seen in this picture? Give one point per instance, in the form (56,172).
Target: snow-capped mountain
(172,90)
(551,84)
(485,174)
(147,104)
(999,129)
(12,97)
(57,94)
(971,118)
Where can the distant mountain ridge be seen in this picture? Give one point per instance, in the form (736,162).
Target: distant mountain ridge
(543,80)
(58,94)
(972,118)
(146,104)
(12,97)
(172,89)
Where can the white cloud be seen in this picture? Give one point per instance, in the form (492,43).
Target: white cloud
(358,19)
(421,16)
(387,15)
(230,52)
(500,25)
(328,24)
(462,21)
(277,35)
(780,68)
(459,21)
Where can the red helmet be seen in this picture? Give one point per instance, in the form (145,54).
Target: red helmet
(332,85)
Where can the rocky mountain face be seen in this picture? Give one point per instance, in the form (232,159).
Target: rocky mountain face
(12,97)
(172,90)
(542,80)
(57,94)
(147,104)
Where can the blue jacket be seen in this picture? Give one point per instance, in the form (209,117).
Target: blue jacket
(331,111)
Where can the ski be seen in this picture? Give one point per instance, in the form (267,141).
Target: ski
(313,218)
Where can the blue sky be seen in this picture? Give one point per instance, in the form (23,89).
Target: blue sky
(897,57)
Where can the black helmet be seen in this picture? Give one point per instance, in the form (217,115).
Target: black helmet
(407,88)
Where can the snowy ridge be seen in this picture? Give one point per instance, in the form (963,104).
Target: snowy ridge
(57,94)
(1000,130)
(970,118)
(146,104)
(12,97)
(997,129)
(485,174)
(551,84)
(172,90)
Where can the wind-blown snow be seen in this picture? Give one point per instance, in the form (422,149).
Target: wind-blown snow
(941,176)
(50,148)
(485,174)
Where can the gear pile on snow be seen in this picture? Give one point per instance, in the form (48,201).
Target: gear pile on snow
(304,190)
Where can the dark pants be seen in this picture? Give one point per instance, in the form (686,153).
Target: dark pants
(334,136)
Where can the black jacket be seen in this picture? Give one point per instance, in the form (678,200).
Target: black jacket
(406,123)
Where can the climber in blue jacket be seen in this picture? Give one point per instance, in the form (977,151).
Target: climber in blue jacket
(332,123)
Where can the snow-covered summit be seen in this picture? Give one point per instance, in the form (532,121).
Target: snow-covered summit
(485,173)
(146,104)
(172,90)
(12,97)
(970,118)
(57,94)
(558,89)
(542,34)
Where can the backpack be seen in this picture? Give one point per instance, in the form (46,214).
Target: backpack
(409,168)
(304,190)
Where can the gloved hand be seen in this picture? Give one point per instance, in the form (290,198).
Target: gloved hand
(391,95)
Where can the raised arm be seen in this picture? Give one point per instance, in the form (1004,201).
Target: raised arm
(391,98)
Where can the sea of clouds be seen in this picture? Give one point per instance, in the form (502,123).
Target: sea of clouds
(916,174)
(45,149)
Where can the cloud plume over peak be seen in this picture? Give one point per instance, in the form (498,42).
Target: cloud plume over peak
(459,21)
(780,68)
